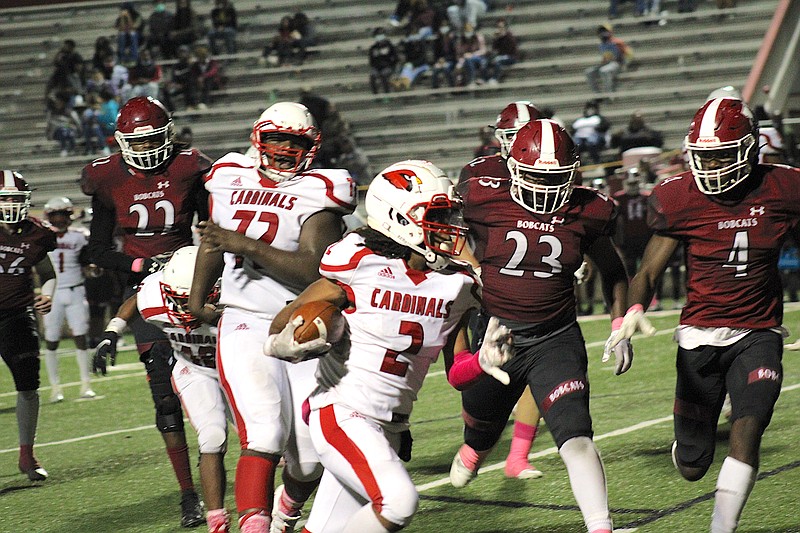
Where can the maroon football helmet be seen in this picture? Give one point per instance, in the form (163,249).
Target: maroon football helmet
(511,119)
(15,197)
(542,161)
(722,144)
(145,119)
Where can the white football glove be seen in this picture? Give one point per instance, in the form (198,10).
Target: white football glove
(283,346)
(623,353)
(793,346)
(634,321)
(497,349)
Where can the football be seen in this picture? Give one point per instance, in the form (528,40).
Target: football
(321,319)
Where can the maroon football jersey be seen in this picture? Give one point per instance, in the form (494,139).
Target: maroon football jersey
(19,253)
(528,260)
(633,218)
(731,250)
(153,212)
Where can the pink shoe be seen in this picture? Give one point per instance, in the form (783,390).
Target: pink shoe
(218,521)
(256,522)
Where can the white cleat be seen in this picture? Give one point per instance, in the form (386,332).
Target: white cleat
(87,393)
(460,475)
(281,522)
(56,395)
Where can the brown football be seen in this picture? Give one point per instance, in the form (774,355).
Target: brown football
(321,319)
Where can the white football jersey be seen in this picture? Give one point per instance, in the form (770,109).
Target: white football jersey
(65,258)
(401,320)
(198,346)
(243,200)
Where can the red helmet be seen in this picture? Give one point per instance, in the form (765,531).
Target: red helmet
(512,118)
(281,122)
(542,161)
(721,144)
(15,197)
(144,119)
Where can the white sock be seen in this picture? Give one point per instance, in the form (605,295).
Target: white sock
(27,415)
(588,480)
(51,362)
(365,521)
(83,365)
(735,481)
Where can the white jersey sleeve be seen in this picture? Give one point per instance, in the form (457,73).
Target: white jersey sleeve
(244,200)
(197,345)
(65,258)
(399,320)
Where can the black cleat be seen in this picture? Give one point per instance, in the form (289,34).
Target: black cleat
(35,473)
(191,510)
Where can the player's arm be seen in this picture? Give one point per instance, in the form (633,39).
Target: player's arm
(47,283)
(609,264)
(101,249)
(106,351)
(321,290)
(464,367)
(295,269)
(207,270)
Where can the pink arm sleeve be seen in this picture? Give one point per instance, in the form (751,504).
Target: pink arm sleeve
(465,370)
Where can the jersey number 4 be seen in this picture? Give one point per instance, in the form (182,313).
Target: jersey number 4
(521,248)
(737,258)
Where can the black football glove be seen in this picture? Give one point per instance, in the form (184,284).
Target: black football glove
(405,446)
(106,353)
(153,264)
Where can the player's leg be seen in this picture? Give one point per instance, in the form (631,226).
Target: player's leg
(258,390)
(363,457)
(302,472)
(754,380)
(203,401)
(78,320)
(19,347)
(334,504)
(699,394)
(558,380)
(526,423)
(52,322)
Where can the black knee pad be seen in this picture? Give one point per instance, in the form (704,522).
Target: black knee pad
(482,434)
(694,460)
(169,416)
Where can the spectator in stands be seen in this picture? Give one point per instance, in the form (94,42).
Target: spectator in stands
(223,26)
(185,136)
(353,159)
(415,61)
(159,24)
(639,9)
(102,48)
(320,107)
(130,27)
(471,56)
(503,52)
(97,82)
(445,56)
(68,70)
(286,45)
(119,74)
(144,77)
(466,13)
(181,81)
(421,18)
(612,58)
(109,109)
(63,123)
(186,27)
(589,131)
(306,28)
(94,138)
(636,134)
(489,143)
(382,61)
(208,73)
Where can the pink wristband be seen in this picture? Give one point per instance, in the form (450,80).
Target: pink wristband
(616,323)
(137,264)
(635,307)
(466,370)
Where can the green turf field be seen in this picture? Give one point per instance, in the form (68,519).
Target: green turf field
(109,473)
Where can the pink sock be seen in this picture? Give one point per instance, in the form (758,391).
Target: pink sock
(287,505)
(521,443)
(472,459)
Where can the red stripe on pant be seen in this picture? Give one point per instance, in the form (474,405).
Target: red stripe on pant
(337,438)
(239,421)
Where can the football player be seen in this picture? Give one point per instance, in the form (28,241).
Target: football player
(162,299)
(526,414)
(149,192)
(732,215)
(69,301)
(531,229)
(404,302)
(284,216)
(24,243)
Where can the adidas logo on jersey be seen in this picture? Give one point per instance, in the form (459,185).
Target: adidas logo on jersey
(185,370)
(237,182)
(242,327)
(386,273)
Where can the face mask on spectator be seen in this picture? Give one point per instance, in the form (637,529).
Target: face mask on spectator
(160,8)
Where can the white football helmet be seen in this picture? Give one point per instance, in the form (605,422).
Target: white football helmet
(176,285)
(413,202)
(281,122)
(59,203)
(15,197)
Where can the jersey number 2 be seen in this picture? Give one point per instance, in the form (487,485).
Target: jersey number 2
(390,363)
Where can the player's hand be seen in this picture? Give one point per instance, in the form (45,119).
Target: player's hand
(153,264)
(283,346)
(222,240)
(582,272)
(42,304)
(497,349)
(793,346)
(106,353)
(210,314)
(623,353)
(634,321)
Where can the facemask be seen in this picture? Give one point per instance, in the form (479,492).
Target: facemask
(160,8)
